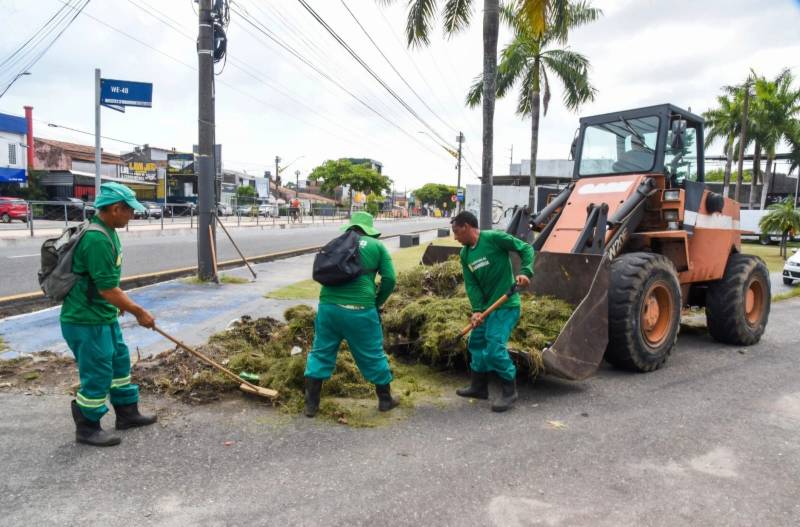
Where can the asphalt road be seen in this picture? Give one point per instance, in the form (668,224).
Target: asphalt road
(146,252)
(713,438)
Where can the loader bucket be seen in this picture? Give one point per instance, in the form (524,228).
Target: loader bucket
(583,281)
(438,253)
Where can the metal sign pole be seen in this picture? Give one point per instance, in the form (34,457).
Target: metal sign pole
(97,154)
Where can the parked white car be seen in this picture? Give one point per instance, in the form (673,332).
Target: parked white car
(791,269)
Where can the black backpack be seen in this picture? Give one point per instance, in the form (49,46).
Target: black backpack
(55,275)
(339,261)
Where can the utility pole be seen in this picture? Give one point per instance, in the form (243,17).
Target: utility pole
(206,170)
(296,182)
(98,160)
(460,140)
(511,161)
(742,140)
(277,177)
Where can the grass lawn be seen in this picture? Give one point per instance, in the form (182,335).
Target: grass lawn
(403,260)
(769,253)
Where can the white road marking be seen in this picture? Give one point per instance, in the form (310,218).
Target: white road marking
(23,255)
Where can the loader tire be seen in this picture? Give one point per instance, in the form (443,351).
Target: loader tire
(644,308)
(738,304)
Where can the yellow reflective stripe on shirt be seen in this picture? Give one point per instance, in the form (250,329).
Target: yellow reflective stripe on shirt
(87,402)
(122,381)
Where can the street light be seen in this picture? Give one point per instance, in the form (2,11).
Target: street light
(14,80)
(296,182)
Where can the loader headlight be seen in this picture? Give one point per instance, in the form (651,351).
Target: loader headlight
(672,195)
(670,215)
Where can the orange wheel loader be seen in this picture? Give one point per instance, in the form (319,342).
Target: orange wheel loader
(634,238)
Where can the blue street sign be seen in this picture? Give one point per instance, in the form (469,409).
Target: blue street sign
(126,93)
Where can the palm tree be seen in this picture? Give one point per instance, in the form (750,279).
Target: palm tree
(456,15)
(776,108)
(725,121)
(784,218)
(531,60)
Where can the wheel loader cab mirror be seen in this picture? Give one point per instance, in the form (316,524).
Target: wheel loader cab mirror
(573,149)
(678,132)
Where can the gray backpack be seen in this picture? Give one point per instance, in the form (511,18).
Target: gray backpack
(55,276)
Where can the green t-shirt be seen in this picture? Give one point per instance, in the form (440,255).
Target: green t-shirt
(362,291)
(487,268)
(99,266)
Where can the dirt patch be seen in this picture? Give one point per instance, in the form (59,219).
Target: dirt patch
(39,373)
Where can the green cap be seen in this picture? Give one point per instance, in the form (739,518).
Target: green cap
(363,220)
(111,193)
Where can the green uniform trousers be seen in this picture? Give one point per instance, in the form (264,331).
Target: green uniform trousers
(104,366)
(488,344)
(361,328)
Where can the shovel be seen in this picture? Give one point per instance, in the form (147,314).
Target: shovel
(449,344)
(244,385)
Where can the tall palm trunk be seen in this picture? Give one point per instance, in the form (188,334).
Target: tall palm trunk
(767,183)
(535,96)
(751,200)
(726,180)
(491,29)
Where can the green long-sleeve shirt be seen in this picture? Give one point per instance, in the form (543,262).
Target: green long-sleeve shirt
(99,265)
(375,259)
(487,268)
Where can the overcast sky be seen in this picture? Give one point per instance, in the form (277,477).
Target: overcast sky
(269,103)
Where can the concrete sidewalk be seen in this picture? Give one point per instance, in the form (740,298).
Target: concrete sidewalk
(191,312)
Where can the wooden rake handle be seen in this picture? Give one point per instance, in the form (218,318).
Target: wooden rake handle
(499,302)
(215,364)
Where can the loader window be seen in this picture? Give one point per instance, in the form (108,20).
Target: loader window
(680,164)
(618,147)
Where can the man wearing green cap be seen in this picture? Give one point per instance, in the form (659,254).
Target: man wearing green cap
(90,327)
(350,312)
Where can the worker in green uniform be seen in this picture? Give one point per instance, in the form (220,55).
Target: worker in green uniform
(90,327)
(488,276)
(350,312)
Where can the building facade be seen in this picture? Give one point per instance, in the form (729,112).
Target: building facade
(13,154)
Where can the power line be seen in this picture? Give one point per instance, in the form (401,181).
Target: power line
(34,36)
(193,68)
(262,29)
(38,56)
(358,59)
(244,67)
(391,65)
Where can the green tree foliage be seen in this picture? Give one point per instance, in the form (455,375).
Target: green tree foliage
(775,112)
(341,172)
(538,15)
(725,122)
(784,218)
(435,194)
(374,203)
(530,60)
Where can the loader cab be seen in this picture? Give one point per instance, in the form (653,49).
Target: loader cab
(661,140)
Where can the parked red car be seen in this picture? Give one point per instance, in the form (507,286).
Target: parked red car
(13,209)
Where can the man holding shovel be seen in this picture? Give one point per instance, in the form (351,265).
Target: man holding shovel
(90,327)
(488,277)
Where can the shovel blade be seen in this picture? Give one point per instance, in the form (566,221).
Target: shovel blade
(583,281)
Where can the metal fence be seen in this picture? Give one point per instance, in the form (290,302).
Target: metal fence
(48,217)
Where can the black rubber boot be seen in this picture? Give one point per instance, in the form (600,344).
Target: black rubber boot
(478,387)
(90,432)
(507,396)
(128,416)
(385,400)
(313,390)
